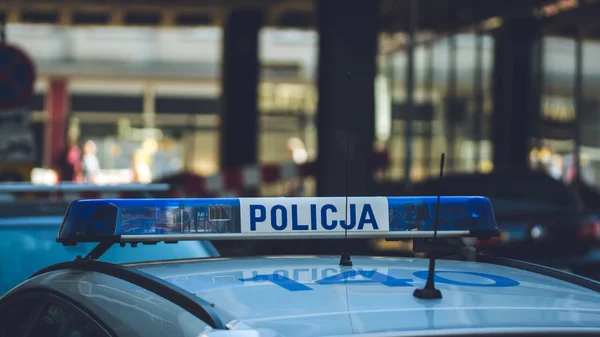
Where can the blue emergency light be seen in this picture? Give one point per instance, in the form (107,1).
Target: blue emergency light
(157,220)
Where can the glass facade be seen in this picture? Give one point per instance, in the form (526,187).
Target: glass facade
(445,120)
(562,132)
(444,108)
(554,147)
(589,121)
(288,103)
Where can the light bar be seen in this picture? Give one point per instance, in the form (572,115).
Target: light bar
(155,220)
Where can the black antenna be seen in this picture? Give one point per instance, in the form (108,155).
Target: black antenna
(345,259)
(429,292)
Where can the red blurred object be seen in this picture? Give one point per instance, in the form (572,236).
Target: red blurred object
(495,241)
(71,168)
(382,159)
(589,230)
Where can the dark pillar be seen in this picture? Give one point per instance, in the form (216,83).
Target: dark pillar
(347,43)
(410,93)
(578,97)
(453,108)
(478,94)
(239,102)
(57,107)
(429,87)
(516,90)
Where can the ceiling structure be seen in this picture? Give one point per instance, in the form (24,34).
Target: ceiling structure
(436,16)
(581,19)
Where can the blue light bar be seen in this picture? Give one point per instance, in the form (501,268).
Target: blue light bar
(155,220)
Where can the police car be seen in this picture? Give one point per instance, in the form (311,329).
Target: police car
(293,296)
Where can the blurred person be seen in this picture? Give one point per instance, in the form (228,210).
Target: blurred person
(541,157)
(587,170)
(298,154)
(91,165)
(140,167)
(71,165)
(297,150)
(150,146)
(545,154)
(534,163)
(557,168)
(570,171)
(382,160)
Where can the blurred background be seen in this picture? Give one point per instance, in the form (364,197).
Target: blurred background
(256,98)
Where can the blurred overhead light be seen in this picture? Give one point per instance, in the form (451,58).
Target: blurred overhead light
(492,23)
(558,7)
(538,232)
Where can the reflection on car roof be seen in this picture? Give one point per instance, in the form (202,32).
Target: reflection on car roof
(314,296)
(335,295)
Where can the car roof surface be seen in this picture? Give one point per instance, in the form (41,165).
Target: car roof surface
(314,296)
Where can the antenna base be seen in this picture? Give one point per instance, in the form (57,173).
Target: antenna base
(427,294)
(346,260)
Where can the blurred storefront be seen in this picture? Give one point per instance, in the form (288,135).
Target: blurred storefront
(147,108)
(127,88)
(444,115)
(185,140)
(562,134)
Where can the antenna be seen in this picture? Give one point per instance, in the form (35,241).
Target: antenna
(345,259)
(429,292)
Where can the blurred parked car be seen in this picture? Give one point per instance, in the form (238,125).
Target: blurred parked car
(590,196)
(539,217)
(28,243)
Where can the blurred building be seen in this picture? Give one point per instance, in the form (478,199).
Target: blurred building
(555,125)
(126,85)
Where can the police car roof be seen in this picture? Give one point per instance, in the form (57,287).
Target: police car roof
(313,296)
